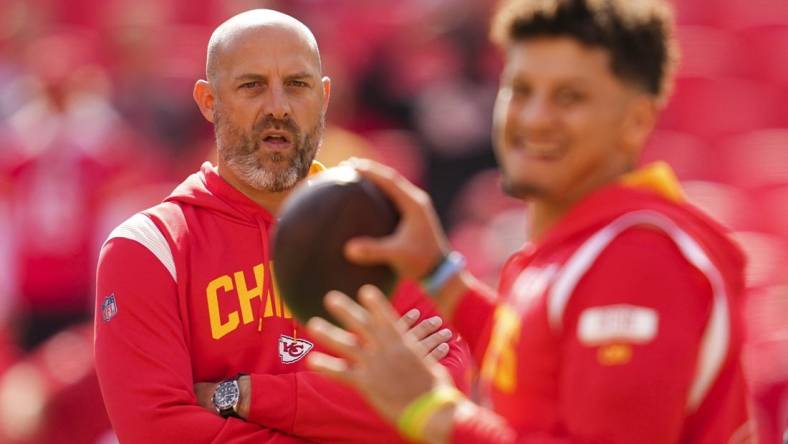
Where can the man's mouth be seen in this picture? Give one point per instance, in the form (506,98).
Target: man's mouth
(546,150)
(277,140)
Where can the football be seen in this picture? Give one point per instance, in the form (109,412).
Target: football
(315,222)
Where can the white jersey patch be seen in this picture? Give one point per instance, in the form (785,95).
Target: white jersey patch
(617,323)
(716,336)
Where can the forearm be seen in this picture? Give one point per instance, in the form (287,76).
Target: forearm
(447,298)
(458,361)
(142,360)
(469,304)
(310,407)
(142,411)
(467,423)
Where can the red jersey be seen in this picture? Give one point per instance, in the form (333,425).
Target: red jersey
(620,326)
(186,295)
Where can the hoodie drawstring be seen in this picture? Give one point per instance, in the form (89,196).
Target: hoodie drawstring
(267,279)
(268,282)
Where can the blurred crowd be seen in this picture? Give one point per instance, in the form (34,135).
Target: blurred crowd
(97,122)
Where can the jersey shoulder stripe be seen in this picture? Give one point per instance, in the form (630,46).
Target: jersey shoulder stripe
(716,337)
(141,229)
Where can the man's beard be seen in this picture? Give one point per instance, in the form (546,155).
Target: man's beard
(240,152)
(510,186)
(521,191)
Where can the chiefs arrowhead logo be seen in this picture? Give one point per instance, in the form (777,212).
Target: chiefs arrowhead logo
(292,350)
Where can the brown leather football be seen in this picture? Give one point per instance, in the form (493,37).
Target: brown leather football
(314,224)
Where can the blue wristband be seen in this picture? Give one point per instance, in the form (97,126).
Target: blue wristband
(451,264)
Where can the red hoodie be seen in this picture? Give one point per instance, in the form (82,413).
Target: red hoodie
(621,326)
(185,294)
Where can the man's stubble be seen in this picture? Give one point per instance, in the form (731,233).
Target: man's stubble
(240,151)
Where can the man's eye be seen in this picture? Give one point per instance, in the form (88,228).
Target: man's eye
(250,85)
(569,97)
(520,90)
(298,83)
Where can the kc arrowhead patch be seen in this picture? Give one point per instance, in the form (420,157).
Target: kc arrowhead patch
(292,350)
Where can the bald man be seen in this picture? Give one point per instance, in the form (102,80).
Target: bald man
(193,343)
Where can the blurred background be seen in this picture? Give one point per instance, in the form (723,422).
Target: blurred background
(97,122)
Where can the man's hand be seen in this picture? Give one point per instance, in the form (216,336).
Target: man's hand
(204,393)
(434,342)
(380,358)
(418,243)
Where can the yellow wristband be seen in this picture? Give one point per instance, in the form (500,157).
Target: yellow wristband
(414,417)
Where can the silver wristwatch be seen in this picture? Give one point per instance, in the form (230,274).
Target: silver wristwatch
(226,397)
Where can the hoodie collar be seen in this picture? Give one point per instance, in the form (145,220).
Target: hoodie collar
(653,184)
(658,177)
(230,195)
(206,188)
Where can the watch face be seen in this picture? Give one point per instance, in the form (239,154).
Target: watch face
(226,395)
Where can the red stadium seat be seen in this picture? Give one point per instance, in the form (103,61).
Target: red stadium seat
(714,108)
(481,198)
(728,205)
(773,209)
(181,53)
(731,14)
(740,14)
(756,159)
(467,237)
(693,12)
(765,358)
(487,245)
(766,57)
(708,52)
(398,149)
(766,257)
(687,154)
(764,312)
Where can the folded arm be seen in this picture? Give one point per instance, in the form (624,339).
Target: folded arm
(142,360)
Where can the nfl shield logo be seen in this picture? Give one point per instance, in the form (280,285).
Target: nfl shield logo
(109,308)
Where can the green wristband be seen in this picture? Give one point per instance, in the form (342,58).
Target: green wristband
(414,417)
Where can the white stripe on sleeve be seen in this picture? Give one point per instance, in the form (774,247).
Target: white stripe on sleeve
(715,341)
(142,230)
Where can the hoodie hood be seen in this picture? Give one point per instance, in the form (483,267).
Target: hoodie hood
(652,187)
(207,189)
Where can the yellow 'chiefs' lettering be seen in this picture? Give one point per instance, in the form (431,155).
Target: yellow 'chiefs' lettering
(500,361)
(219,328)
(245,295)
(245,287)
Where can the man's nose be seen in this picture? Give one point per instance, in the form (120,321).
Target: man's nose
(277,103)
(536,114)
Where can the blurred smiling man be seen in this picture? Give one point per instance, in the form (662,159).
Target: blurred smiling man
(618,322)
(192,341)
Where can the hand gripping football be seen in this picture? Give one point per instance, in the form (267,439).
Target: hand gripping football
(315,222)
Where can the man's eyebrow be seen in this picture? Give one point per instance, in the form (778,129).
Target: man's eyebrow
(300,75)
(520,77)
(252,76)
(248,76)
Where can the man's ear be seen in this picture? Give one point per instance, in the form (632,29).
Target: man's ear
(640,122)
(326,81)
(203,95)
